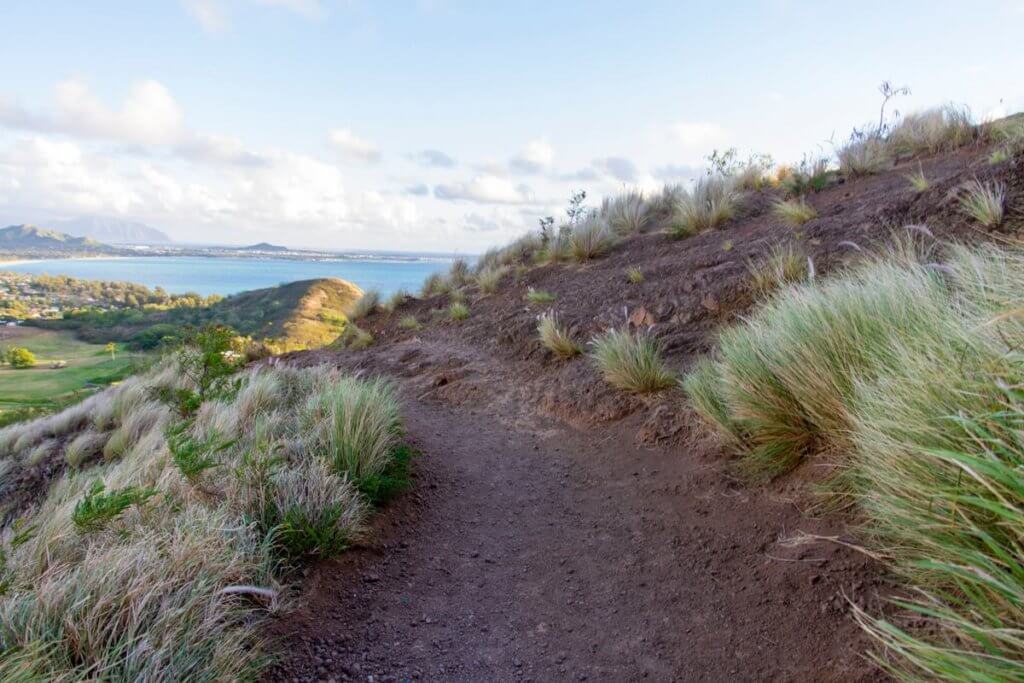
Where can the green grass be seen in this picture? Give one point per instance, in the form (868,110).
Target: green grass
(539,296)
(984,202)
(555,337)
(794,212)
(458,311)
(905,379)
(634,275)
(631,362)
(785,265)
(87,366)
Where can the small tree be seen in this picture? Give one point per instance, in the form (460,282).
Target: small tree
(888,92)
(546,225)
(20,357)
(576,210)
(111,348)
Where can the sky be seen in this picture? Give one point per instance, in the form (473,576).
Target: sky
(446,125)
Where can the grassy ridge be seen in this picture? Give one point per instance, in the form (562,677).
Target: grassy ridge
(907,372)
(302,314)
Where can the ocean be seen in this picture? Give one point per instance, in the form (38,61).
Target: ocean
(215,275)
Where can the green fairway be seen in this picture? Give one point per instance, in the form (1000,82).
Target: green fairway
(85,366)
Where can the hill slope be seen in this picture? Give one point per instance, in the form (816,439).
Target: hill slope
(303,314)
(28,237)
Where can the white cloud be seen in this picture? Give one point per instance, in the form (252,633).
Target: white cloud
(352,147)
(433,157)
(698,134)
(213,15)
(535,157)
(486,189)
(619,168)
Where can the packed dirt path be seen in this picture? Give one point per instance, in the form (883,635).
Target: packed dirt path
(549,554)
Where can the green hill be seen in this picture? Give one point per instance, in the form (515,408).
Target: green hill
(27,237)
(303,314)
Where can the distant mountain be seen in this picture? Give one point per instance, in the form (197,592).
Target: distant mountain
(32,238)
(264,246)
(112,230)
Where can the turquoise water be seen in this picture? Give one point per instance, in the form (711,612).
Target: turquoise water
(179,274)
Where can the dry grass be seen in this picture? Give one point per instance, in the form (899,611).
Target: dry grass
(864,155)
(409,322)
(84,447)
(713,201)
(631,362)
(794,212)
(918,181)
(364,305)
(935,130)
(786,265)
(458,311)
(590,239)
(627,213)
(556,338)
(984,202)
(436,284)
(634,275)
(489,278)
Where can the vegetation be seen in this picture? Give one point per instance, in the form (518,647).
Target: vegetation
(458,311)
(864,154)
(918,181)
(490,277)
(556,338)
(794,212)
(984,202)
(630,362)
(713,201)
(627,213)
(20,358)
(539,296)
(409,322)
(784,266)
(590,239)
(935,130)
(635,275)
(173,551)
(364,305)
(906,373)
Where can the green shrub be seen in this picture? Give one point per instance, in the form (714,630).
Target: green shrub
(555,338)
(630,362)
(984,202)
(21,358)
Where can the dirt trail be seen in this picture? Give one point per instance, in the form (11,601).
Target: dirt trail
(551,554)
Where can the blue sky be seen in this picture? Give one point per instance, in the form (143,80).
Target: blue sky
(444,124)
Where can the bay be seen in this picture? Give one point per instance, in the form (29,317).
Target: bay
(224,275)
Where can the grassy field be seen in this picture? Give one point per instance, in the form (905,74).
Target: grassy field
(44,386)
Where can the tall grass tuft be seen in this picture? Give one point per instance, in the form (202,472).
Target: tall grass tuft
(555,338)
(794,212)
(590,239)
(785,266)
(934,130)
(631,362)
(864,154)
(627,213)
(458,311)
(907,374)
(713,201)
(984,202)
(488,279)
(364,305)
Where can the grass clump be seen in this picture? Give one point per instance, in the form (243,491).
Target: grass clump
(396,300)
(539,296)
(627,213)
(713,201)
(364,305)
(436,284)
(918,181)
(458,311)
(409,322)
(590,239)
(631,362)
(907,375)
(784,266)
(83,448)
(794,212)
(934,130)
(488,279)
(556,338)
(864,154)
(984,202)
(635,275)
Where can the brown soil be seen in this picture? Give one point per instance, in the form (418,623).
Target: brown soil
(558,529)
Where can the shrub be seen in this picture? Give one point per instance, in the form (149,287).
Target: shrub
(558,248)
(21,358)
(713,201)
(984,202)
(84,447)
(489,278)
(555,338)
(355,424)
(539,296)
(785,265)
(409,322)
(630,362)
(590,239)
(364,305)
(353,337)
(635,275)
(931,131)
(396,300)
(458,311)
(794,212)
(811,175)
(864,154)
(627,214)
(458,274)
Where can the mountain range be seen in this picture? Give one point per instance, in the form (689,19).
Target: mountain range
(111,230)
(28,237)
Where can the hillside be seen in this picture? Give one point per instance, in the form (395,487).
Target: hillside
(264,247)
(30,238)
(592,481)
(302,314)
(112,230)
